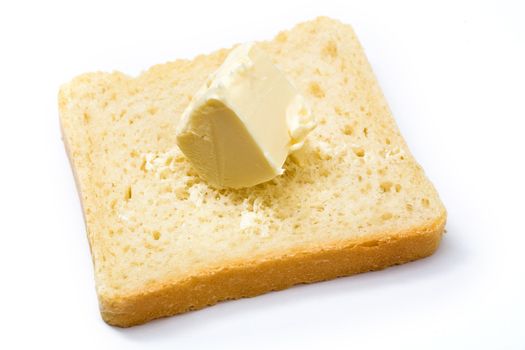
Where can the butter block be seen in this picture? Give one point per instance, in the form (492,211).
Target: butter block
(242,124)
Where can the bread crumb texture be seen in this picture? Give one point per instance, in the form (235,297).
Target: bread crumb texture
(154,224)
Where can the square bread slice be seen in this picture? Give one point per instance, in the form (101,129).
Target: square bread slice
(353,199)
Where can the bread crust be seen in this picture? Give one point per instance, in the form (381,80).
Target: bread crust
(253,278)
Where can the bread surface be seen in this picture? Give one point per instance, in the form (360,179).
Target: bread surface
(353,199)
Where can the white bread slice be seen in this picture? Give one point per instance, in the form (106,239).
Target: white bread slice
(353,199)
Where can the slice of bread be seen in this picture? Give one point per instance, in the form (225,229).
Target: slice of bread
(353,199)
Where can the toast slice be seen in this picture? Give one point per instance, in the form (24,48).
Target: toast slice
(353,199)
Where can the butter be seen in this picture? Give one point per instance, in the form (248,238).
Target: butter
(242,124)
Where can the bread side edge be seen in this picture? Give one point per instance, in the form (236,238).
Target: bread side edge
(238,281)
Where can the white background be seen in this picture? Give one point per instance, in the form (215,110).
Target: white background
(453,73)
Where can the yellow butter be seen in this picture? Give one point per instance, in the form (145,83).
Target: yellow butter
(242,124)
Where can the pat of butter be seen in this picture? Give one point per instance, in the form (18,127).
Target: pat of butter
(242,124)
